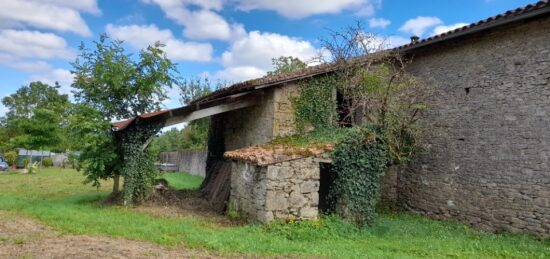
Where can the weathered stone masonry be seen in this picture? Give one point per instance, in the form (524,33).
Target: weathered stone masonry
(489,143)
(278,191)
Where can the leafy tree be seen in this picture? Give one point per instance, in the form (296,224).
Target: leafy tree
(286,64)
(36,95)
(118,86)
(40,131)
(22,106)
(99,158)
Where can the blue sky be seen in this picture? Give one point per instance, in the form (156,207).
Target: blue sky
(230,40)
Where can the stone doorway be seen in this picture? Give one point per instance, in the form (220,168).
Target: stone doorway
(327,176)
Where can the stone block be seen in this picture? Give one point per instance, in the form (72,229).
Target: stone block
(309,213)
(297,200)
(309,186)
(276,201)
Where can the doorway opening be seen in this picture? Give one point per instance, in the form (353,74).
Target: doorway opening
(326,203)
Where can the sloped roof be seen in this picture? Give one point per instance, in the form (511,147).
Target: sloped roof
(530,11)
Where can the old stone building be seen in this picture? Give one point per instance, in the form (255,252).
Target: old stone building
(488,158)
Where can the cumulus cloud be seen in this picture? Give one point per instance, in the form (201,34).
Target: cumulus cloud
(57,15)
(62,76)
(379,23)
(419,25)
(445,28)
(251,56)
(34,44)
(304,8)
(202,23)
(141,36)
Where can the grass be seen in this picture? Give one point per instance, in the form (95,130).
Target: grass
(57,198)
(317,137)
(182,181)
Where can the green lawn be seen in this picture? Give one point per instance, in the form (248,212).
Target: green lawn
(58,198)
(180,181)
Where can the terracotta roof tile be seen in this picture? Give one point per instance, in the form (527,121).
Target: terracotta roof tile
(268,155)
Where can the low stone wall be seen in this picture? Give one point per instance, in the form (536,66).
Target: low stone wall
(192,161)
(278,191)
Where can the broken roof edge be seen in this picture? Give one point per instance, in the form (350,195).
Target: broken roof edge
(264,155)
(537,9)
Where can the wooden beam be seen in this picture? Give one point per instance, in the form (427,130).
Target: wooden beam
(238,102)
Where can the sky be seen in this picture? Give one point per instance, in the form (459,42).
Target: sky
(230,40)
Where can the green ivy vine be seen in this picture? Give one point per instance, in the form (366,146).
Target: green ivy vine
(315,105)
(359,161)
(138,170)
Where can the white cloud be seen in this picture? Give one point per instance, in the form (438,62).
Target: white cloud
(203,23)
(205,4)
(445,28)
(89,6)
(140,36)
(34,44)
(241,73)
(304,8)
(251,56)
(62,76)
(419,25)
(379,23)
(47,14)
(396,41)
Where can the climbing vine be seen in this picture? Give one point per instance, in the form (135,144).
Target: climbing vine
(359,161)
(315,105)
(383,104)
(138,169)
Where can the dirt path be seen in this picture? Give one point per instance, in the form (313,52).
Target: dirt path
(25,238)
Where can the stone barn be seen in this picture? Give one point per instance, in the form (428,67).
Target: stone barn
(488,162)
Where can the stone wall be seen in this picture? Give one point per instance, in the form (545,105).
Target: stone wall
(192,161)
(284,119)
(488,143)
(279,191)
(249,126)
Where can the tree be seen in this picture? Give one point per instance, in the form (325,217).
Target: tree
(36,95)
(119,86)
(22,106)
(40,131)
(286,64)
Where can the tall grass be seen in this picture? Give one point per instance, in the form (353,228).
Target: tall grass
(58,199)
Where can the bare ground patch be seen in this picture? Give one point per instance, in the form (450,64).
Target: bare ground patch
(166,202)
(25,238)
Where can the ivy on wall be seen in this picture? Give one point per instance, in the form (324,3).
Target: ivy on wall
(315,105)
(359,161)
(385,103)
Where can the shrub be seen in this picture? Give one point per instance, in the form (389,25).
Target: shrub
(11,157)
(359,162)
(47,162)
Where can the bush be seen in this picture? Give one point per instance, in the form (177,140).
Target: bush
(11,157)
(47,162)
(359,161)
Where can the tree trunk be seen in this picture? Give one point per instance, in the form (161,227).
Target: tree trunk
(116,184)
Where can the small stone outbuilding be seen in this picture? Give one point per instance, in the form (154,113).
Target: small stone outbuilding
(268,183)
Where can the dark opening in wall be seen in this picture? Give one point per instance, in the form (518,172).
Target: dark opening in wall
(467,90)
(326,204)
(343,109)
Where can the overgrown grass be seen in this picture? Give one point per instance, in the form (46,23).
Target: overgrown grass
(182,181)
(317,137)
(58,199)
